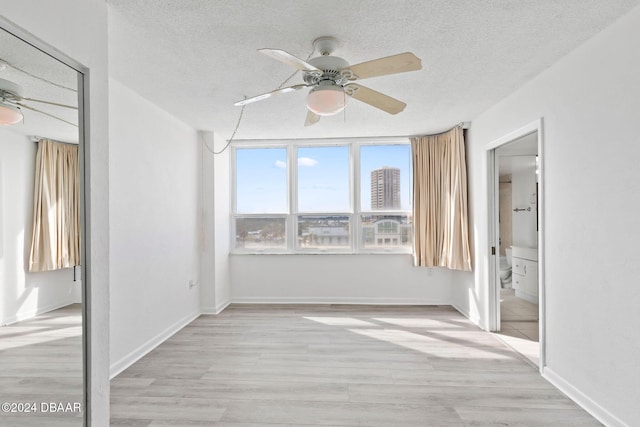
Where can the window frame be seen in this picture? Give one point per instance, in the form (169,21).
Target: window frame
(292,212)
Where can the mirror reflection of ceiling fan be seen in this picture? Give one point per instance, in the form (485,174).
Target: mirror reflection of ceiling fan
(12,102)
(331,80)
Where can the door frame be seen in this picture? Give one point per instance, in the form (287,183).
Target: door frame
(493,230)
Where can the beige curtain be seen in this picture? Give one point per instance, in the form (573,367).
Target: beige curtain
(55,242)
(441,228)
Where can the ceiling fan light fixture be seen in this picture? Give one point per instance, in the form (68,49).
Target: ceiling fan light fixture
(9,115)
(327,100)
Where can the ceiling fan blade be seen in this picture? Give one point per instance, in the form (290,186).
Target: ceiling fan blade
(49,103)
(375,98)
(289,59)
(270,94)
(400,63)
(46,114)
(312,118)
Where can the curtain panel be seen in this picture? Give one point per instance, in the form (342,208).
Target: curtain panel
(440,216)
(55,242)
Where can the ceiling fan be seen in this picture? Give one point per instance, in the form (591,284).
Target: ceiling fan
(331,80)
(12,102)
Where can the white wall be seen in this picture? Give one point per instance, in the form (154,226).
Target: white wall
(155,225)
(523,188)
(78,29)
(207,237)
(590,104)
(23,294)
(372,279)
(222,226)
(216,283)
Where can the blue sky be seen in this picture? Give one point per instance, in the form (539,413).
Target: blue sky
(261,184)
(323,177)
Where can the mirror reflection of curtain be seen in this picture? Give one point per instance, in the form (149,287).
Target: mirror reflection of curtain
(441,233)
(55,242)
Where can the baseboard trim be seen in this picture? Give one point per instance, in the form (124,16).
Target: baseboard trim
(131,358)
(220,307)
(33,313)
(217,309)
(474,319)
(337,300)
(597,411)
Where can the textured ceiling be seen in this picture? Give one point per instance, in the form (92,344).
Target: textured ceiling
(40,77)
(195,58)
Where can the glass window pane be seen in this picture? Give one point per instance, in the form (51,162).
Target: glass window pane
(261,233)
(323,179)
(385,177)
(323,232)
(261,180)
(386,231)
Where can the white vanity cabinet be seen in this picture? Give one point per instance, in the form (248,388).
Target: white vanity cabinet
(524,262)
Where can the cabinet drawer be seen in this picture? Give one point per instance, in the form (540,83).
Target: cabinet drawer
(518,282)
(518,266)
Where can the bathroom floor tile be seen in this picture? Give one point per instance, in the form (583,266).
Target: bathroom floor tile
(513,333)
(519,327)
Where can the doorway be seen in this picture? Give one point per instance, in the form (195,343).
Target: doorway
(515,279)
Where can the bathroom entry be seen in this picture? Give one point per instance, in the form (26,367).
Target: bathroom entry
(516,281)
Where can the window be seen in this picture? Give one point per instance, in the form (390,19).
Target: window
(384,231)
(385,197)
(261,194)
(323,179)
(261,180)
(385,177)
(324,232)
(260,233)
(337,196)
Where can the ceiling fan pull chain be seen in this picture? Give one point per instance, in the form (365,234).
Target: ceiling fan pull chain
(344,94)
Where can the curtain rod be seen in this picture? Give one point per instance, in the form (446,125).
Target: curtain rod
(37,139)
(463,125)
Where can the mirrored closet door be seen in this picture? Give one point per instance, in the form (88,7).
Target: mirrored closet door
(41,292)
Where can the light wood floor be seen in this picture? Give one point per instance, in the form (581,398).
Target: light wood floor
(294,365)
(41,362)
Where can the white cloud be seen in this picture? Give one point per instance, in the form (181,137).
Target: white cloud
(307,161)
(281,164)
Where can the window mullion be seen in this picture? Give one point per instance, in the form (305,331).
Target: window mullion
(355,196)
(292,170)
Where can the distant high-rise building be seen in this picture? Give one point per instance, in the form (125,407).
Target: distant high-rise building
(385,188)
